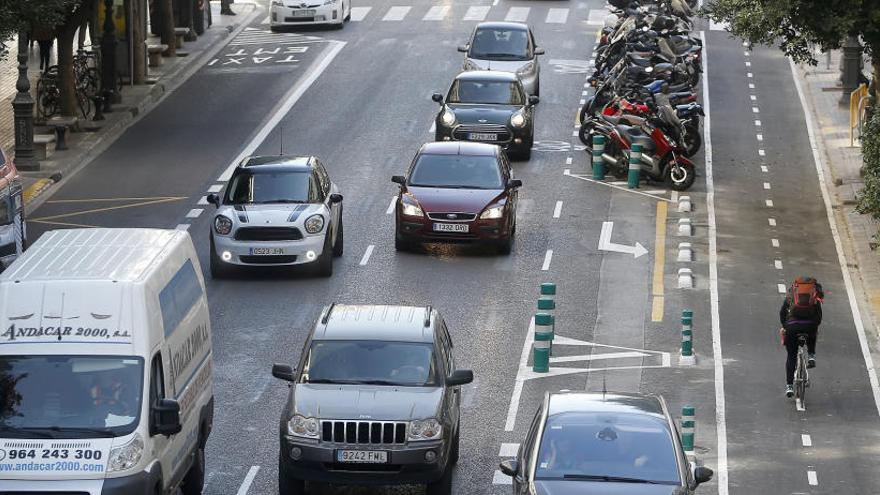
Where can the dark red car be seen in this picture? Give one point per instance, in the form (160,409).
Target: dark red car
(457,192)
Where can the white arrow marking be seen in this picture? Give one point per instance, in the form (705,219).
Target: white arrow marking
(605,243)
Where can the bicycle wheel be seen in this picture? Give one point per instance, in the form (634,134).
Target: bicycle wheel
(84,102)
(800,380)
(47,98)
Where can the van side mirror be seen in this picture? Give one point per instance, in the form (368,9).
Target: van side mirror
(510,467)
(398,179)
(514,183)
(437,97)
(459,377)
(214,199)
(463,48)
(702,474)
(533,99)
(166,418)
(539,51)
(283,372)
(336,198)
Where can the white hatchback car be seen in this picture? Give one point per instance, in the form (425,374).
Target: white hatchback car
(307,12)
(277,210)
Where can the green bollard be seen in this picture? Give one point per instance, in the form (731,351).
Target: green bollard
(688,427)
(598,164)
(548,289)
(635,166)
(543,338)
(547,304)
(687,335)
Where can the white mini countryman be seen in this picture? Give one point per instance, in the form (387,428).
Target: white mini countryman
(277,210)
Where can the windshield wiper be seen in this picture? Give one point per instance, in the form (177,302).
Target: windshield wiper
(53,431)
(331,381)
(381,382)
(104,432)
(26,432)
(282,201)
(611,479)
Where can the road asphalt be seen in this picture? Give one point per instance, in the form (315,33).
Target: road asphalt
(359,99)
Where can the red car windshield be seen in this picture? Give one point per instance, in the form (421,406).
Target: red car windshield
(457,172)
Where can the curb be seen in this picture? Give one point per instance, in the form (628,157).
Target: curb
(151,100)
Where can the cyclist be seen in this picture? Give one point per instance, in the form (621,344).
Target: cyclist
(801,313)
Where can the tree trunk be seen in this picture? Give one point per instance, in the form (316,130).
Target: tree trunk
(166,26)
(875,77)
(66,78)
(139,59)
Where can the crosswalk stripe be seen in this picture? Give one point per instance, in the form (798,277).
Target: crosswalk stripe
(358,13)
(557,16)
(499,478)
(476,13)
(396,13)
(266,20)
(517,14)
(508,450)
(436,13)
(597,17)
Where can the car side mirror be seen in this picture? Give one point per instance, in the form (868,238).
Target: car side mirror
(702,474)
(214,199)
(398,179)
(539,51)
(459,377)
(533,100)
(514,183)
(166,418)
(437,97)
(463,48)
(510,467)
(336,198)
(283,372)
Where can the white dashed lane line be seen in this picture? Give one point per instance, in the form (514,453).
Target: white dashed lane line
(248,480)
(557,210)
(750,75)
(183,226)
(390,209)
(806,440)
(812,479)
(772,222)
(780,288)
(766,185)
(774,242)
(769,203)
(761,152)
(751,86)
(757,123)
(568,161)
(194,213)
(508,450)
(367,255)
(760,137)
(777,264)
(755,110)
(547,258)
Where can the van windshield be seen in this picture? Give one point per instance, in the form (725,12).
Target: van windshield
(69,396)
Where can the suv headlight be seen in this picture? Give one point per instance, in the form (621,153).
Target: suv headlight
(518,120)
(426,429)
(126,456)
(222,224)
(447,118)
(493,212)
(314,224)
(526,68)
(301,426)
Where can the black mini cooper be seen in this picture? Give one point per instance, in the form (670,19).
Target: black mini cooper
(488,107)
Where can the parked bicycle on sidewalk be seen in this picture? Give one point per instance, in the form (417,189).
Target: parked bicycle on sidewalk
(800,316)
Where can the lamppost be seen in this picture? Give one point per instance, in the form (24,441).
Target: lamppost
(108,56)
(850,67)
(23,111)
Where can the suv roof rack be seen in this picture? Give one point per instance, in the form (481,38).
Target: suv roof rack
(326,316)
(428,311)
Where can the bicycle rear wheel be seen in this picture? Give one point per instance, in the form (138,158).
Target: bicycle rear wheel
(800,380)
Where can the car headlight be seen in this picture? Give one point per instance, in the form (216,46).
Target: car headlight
(314,224)
(411,210)
(277,3)
(525,69)
(222,224)
(426,429)
(468,65)
(301,426)
(330,2)
(126,456)
(518,120)
(493,212)
(447,118)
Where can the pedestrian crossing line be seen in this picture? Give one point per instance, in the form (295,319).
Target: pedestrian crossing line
(517,14)
(557,16)
(476,13)
(266,20)
(499,478)
(359,13)
(436,13)
(396,13)
(597,17)
(508,450)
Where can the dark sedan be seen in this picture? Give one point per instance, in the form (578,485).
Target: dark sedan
(603,444)
(457,192)
(489,107)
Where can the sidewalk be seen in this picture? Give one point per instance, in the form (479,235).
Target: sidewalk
(136,101)
(822,88)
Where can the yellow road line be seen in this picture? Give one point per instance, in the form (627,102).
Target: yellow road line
(64,224)
(99,200)
(100,210)
(659,262)
(35,189)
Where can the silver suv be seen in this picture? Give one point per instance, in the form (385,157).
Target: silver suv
(505,47)
(374,401)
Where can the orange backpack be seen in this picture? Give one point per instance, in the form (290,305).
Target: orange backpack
(803,298)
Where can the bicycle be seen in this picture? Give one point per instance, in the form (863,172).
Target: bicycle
(49,95)
(801,375)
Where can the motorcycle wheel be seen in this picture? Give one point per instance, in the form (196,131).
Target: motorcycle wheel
(681,178)
(693,141)
(584,135)
(583,115)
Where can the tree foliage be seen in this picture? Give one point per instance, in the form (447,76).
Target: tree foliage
(869,197)
(22,15)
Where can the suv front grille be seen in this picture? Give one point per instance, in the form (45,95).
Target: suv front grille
(366,432)
(452,217)
(268,234)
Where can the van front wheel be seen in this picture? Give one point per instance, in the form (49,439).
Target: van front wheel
(195,477)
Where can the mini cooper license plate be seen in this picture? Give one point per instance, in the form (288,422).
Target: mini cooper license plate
(362,456)
(304,13)
(256,251)
(450,227)
(481,136)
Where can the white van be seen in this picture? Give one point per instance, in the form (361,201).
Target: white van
(105,365)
